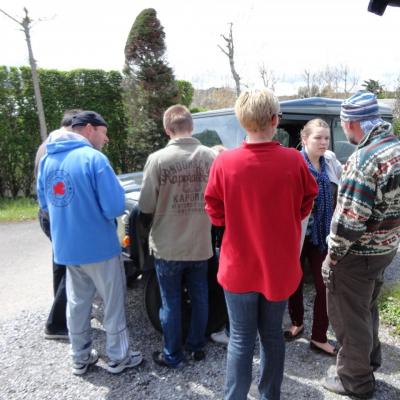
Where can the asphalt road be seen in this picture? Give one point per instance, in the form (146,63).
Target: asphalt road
(25,269)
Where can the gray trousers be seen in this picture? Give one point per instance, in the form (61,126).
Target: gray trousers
(352,291)
(108,278)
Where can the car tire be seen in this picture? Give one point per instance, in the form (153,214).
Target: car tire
(217,314)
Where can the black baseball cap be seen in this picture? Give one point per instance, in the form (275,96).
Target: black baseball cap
(88,117)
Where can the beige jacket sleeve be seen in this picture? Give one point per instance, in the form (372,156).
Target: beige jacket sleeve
(150,187)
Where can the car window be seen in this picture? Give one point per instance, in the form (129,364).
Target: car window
(218,129)
(342,148)
(282,136)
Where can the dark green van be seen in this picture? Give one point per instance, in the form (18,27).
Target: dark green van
(222,127)
(212,128)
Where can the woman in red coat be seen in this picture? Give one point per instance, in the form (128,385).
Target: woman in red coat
(260,192)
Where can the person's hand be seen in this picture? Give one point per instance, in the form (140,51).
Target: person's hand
(326,269)
(329,261)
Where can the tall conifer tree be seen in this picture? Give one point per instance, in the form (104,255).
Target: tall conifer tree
(150,85)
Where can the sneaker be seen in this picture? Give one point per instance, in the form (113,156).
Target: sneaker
(335,385)
(59,335)
(220,337)
(81,368)
(197,355)
(133,359)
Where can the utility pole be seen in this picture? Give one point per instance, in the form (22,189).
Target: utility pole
(26,26)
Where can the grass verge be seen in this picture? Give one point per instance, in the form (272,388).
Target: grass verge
(20,209)
(389,307)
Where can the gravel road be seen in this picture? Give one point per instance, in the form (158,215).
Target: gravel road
(34,368)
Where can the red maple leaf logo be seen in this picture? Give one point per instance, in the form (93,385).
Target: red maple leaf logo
(59,188)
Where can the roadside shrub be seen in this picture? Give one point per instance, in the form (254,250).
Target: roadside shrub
(19,128)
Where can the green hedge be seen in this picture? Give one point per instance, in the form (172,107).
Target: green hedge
(19,127)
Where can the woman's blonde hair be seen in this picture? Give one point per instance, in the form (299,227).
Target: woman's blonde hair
(255,108)
(310,125)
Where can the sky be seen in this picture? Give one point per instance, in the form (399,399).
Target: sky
(286,36)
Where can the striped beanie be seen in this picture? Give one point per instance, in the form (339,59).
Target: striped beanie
(361,106)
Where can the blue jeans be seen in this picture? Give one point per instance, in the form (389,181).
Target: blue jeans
(249,313)
(170,274)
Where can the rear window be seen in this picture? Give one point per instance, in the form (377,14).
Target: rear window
(218,129)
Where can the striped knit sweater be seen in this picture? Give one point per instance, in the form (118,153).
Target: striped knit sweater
(366,220)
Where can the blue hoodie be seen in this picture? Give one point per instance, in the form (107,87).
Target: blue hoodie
(83,196)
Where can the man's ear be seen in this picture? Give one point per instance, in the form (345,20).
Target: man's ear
(275,120)
(168,132)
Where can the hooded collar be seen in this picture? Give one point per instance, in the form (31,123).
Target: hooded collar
(59,146)
(380,131)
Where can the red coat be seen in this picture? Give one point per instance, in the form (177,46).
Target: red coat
(260,193)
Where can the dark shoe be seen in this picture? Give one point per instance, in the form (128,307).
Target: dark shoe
(159,359)
(59,335)
(375,367)
(197,355)
(318,349)
(289,335)
(334,384)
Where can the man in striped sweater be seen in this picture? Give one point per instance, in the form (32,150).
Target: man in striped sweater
(364,237)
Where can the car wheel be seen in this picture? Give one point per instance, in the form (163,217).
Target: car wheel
(217,315)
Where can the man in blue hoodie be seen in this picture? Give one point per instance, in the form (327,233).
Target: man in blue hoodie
(80,191)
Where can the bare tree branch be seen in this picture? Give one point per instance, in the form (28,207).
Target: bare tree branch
(349,78)
(268,77)
(230,54)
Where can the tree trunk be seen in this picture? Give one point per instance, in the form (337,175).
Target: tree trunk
(230,54)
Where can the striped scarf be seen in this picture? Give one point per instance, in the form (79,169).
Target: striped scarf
(323,208)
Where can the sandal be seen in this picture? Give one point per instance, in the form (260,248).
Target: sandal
(318,349)
(288,335)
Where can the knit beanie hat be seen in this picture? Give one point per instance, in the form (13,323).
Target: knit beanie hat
(361,106)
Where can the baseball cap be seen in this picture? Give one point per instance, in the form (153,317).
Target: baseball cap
(88,117)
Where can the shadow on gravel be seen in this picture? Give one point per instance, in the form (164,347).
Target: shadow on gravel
(294,389)
(149,382)
(386,391)
(301,361)
(390,360)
